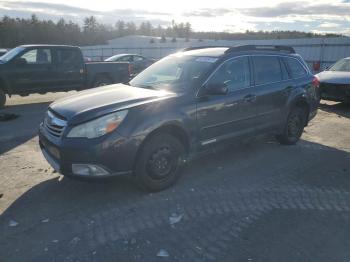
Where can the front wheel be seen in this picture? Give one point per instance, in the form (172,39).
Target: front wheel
(2,98)
(294,127)
(158,163)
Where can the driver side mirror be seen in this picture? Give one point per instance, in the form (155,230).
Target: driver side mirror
(216,89)
(19,61)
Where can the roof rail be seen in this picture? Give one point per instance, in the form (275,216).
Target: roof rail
(199,47)
(280,48)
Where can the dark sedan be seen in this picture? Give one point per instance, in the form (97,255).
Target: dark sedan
(138,63)
(335,82)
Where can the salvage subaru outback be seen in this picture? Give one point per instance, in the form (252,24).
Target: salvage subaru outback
(185,103)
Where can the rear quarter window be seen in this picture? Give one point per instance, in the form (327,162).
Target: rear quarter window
(295,67)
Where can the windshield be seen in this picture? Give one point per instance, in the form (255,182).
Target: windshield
(11,54)
(342,65)
(173,71)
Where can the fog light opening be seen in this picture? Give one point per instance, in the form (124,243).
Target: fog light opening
(88,170)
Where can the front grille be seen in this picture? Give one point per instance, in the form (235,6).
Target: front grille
(54,124)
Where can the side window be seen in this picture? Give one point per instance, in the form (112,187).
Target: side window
(38,56)
(295,68)
(234,73)
(68,56)
(267,69)
(138,58)
(126,58)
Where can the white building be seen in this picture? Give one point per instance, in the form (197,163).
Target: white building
(323,50)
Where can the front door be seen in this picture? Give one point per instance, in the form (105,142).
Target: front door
(35,73)
(232,114)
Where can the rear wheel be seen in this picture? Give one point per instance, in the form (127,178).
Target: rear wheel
(294,127)
(102,81)
(158,163)
(2,98)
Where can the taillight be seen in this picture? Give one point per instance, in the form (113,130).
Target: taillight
(316,82)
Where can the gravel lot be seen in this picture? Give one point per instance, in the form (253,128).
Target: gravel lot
(258,201)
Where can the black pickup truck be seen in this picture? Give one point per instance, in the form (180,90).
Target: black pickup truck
(40,69)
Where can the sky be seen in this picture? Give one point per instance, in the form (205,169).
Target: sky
(220,15)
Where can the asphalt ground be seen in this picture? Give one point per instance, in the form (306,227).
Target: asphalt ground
(257,201)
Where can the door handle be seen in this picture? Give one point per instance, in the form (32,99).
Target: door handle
(249,98)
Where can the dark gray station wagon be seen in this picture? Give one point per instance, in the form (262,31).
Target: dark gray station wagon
(183,104)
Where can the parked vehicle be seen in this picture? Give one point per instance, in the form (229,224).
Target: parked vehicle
(335,82)
(2,51)
(49,68)
(138,63)
(179,106)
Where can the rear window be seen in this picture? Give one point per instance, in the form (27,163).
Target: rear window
(295,67)
(267,69)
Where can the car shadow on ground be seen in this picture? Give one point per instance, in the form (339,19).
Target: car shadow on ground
(24,127)
(260,156)
(341,109)
(70,204)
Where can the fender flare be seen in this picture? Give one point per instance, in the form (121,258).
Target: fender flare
(175,127)
(172,127)
(299,96)
(301,101)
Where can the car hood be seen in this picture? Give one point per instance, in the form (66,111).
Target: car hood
(89,104)
(334,77)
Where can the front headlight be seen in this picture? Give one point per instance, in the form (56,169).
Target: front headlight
(99,126)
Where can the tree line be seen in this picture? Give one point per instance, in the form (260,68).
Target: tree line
(17,31)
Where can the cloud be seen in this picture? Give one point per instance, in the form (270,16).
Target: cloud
(329,25)
(303,15)
(43,8)
(209,12)
(77,14)
(302,8)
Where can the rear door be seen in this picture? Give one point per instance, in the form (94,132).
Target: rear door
(272,85)
(69,68)
(232,114)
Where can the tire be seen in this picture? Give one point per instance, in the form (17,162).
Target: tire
(157,166)
(2,98)
(294,126)
(102,81)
